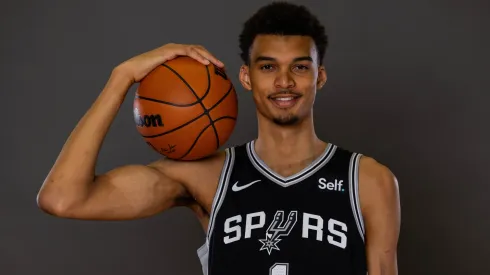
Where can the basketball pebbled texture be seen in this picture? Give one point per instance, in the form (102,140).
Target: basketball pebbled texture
(185,110)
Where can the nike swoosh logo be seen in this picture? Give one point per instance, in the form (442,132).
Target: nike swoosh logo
(237,188)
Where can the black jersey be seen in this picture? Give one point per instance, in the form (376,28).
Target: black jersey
(262,223)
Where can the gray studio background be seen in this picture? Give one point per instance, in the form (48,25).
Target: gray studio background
(407,85)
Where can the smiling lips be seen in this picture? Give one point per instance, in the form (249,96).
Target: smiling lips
(284,101)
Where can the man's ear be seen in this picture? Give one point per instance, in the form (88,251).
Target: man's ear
(244,77)
(322,77)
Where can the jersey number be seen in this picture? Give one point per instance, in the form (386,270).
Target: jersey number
(279,269)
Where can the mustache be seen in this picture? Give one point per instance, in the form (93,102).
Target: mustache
(285,92)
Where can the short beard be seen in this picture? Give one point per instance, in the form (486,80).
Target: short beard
(286,120)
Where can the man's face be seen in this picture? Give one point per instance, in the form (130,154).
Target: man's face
(284,74)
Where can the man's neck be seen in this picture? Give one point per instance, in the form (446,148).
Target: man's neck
(282,145)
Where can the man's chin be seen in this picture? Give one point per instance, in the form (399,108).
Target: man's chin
(286,120)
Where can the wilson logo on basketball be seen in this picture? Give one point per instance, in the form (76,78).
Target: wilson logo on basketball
(148,120)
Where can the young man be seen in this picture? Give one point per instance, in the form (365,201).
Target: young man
(284,203)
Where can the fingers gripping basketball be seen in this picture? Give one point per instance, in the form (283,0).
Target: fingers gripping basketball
(185,110)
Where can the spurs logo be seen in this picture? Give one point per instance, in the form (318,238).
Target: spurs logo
(277,229)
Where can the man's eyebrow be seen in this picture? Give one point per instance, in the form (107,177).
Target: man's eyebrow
(267,58)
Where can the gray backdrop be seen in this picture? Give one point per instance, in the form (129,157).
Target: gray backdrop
(407,85)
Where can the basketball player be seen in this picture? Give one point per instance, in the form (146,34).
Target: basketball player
(284,203)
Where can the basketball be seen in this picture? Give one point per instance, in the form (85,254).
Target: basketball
(185,110)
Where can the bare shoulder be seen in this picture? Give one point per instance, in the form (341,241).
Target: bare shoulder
(376,176)
(185,171)
(378,186)
(200,177)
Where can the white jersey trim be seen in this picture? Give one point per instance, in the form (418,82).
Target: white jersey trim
(220,194)
(203,251)
(323,159)
(354,192)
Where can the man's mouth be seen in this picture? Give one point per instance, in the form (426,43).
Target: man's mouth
(285,100)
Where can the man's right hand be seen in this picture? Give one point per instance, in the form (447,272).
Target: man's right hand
(138,67)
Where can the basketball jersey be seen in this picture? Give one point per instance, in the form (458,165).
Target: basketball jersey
(262,223)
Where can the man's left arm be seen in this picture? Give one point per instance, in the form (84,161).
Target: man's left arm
(380,206)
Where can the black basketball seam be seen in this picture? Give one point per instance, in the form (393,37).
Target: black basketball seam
(202,132)
(206,111)
(194,119)
(199,100)
(165,102)
(176,128)
(208,114)
(222,98)
(188,86)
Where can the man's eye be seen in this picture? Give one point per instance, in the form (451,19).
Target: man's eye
(302,67)
(266,67)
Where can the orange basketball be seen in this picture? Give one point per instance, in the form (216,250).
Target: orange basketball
(185,110)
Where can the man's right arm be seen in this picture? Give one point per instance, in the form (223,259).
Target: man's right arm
(127,192)
(73,190)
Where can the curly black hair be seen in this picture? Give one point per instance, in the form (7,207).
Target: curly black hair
(282,18)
